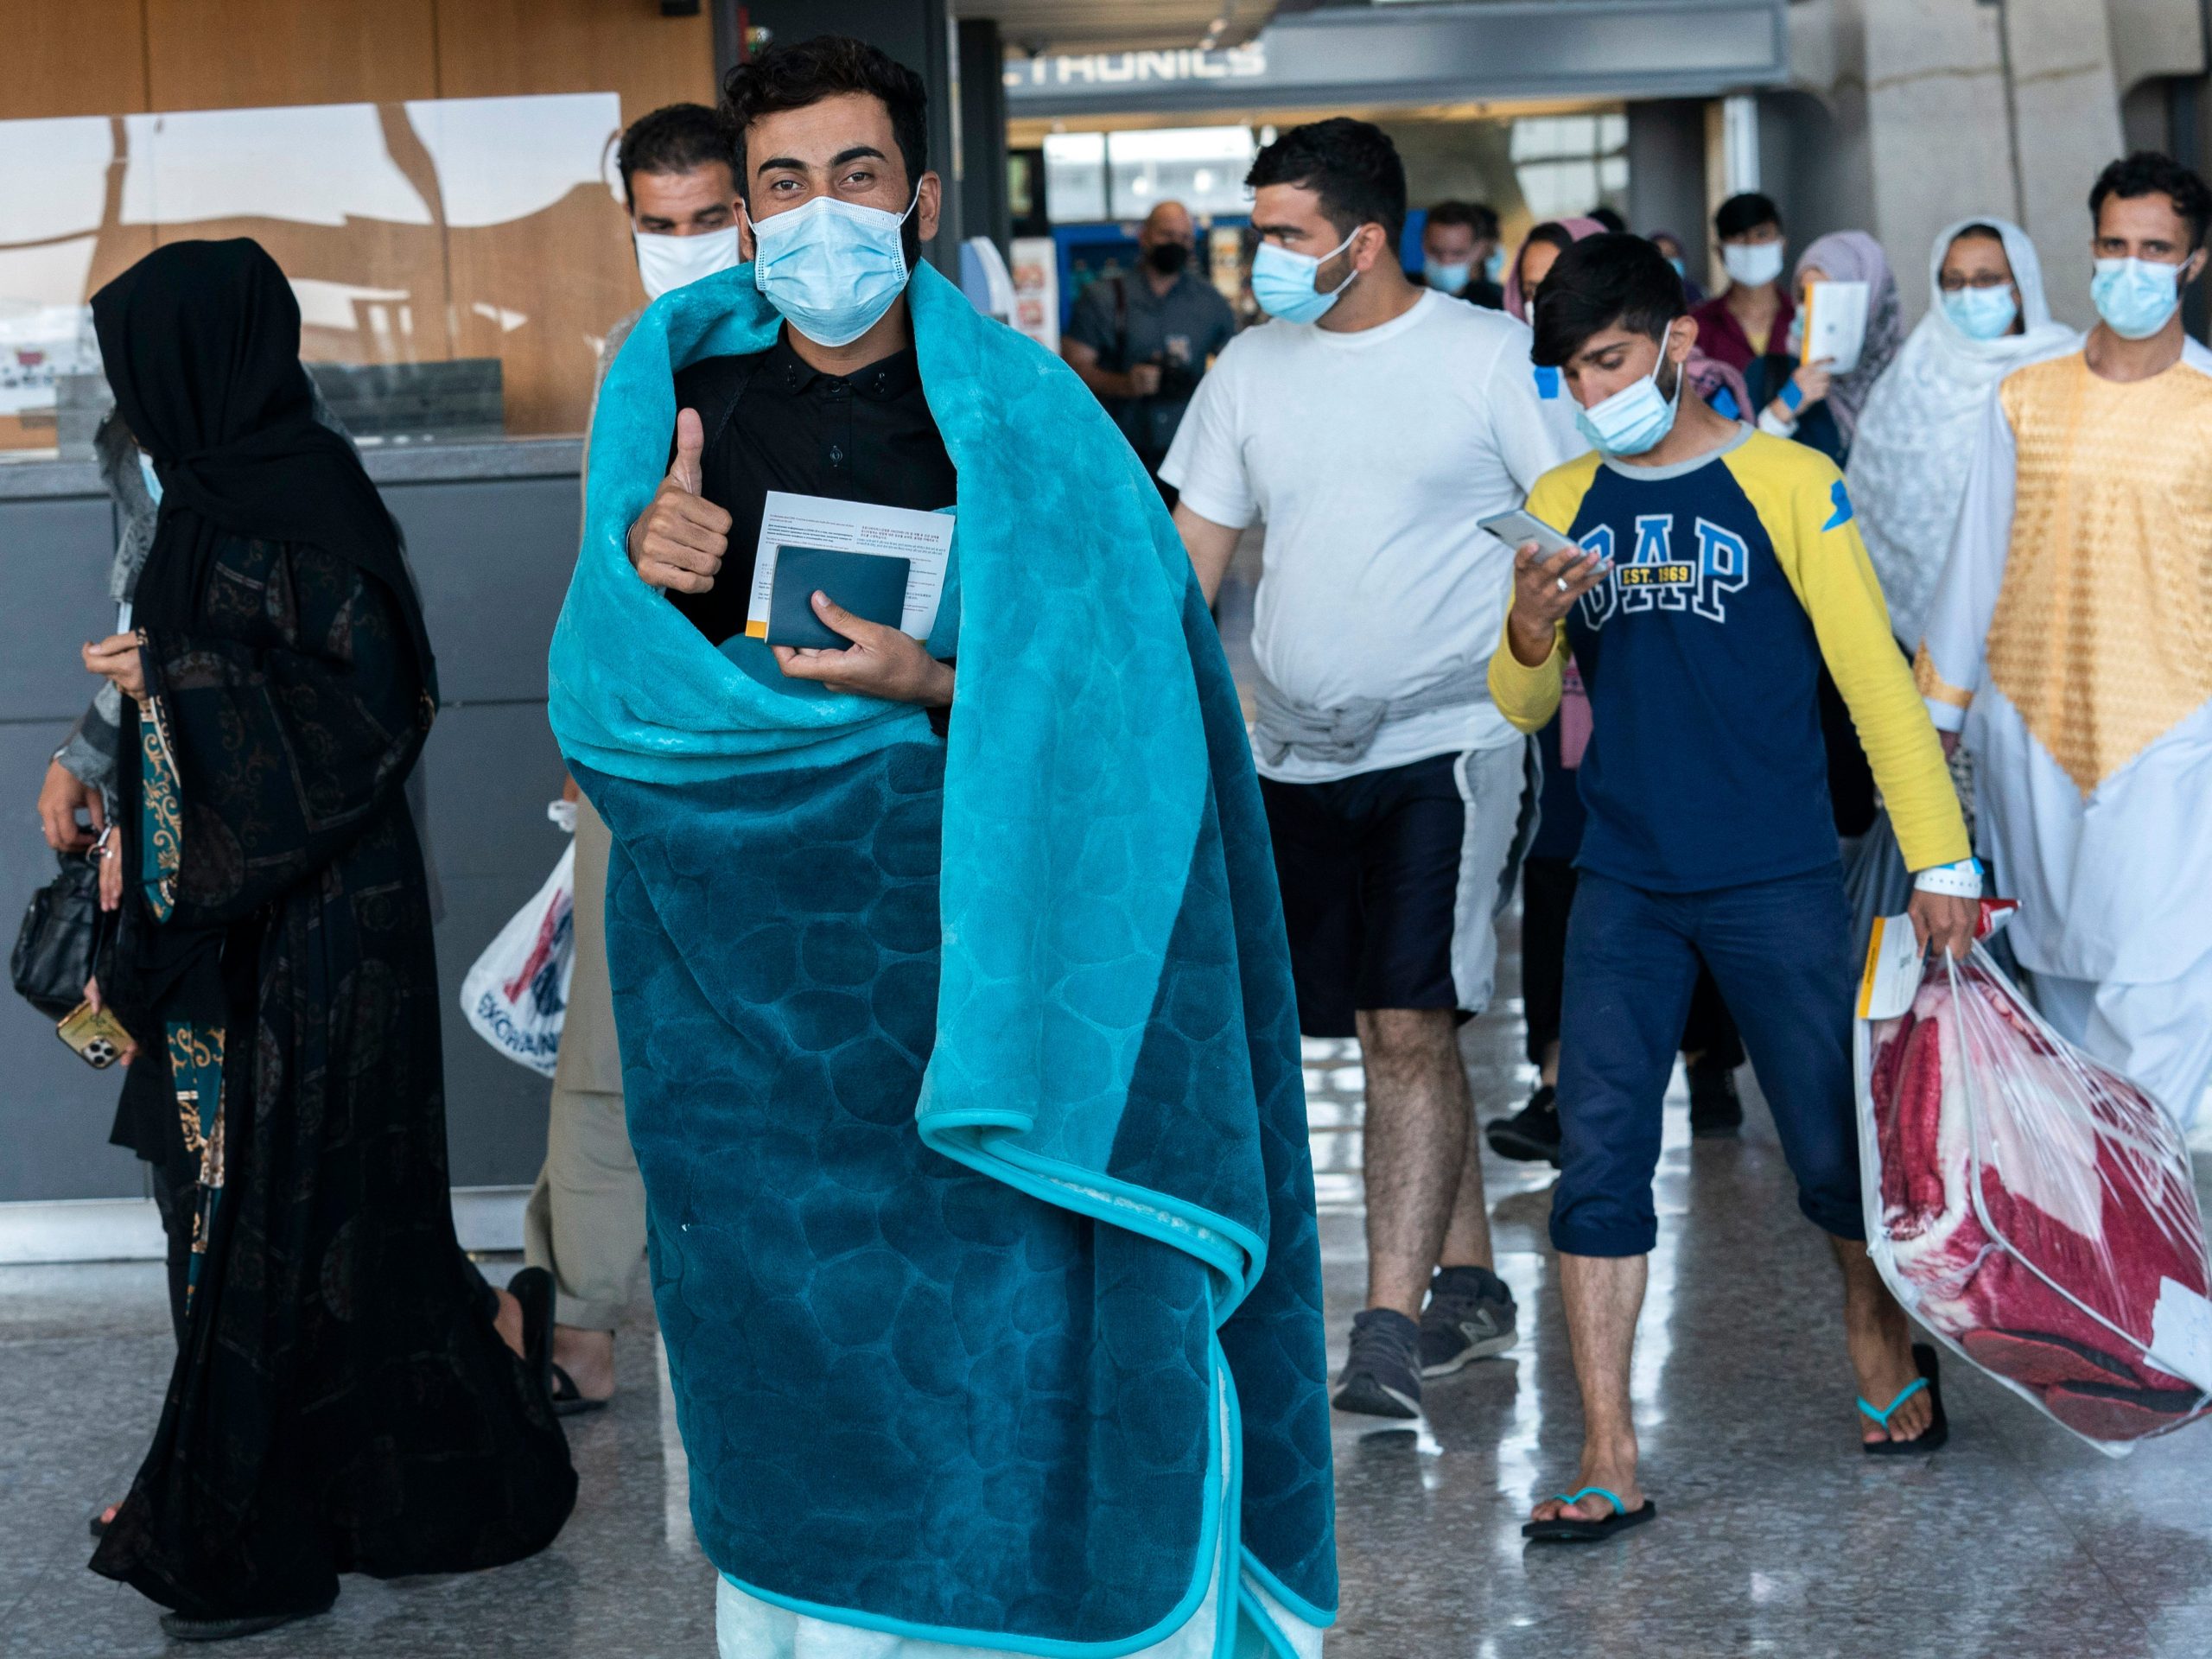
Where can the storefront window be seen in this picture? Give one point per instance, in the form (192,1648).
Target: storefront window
(1075,177)
(457,260)
(1090,177)
(1568,164)
(1203,167)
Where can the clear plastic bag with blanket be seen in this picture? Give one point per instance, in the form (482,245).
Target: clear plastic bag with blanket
(2030,1205)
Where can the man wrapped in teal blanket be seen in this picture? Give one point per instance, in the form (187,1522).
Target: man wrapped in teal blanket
(963,1072)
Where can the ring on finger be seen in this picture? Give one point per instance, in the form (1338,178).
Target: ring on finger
(1562,584)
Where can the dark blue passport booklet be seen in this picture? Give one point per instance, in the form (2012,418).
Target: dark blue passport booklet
(873,585)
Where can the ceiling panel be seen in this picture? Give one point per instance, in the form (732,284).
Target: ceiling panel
(1032,25)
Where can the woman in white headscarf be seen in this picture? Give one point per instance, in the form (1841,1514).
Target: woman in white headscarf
(1915,433)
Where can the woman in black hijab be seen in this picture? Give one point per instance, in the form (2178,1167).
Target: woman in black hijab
(345,1397)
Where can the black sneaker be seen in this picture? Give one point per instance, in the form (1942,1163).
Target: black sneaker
(1715,1107)
(1470,1316)
(1380,1377)
(1531,1134)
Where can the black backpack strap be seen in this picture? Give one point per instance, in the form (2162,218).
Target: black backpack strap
(1122,321)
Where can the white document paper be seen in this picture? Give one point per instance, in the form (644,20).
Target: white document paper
(1894,959)
(1835,324)
(923,539)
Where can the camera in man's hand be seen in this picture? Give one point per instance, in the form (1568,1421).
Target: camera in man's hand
(1162,375)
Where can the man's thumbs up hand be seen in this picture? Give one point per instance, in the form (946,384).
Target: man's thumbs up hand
(679,540)
(691,439)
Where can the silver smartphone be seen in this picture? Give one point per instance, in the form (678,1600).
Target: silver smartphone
(1517,528)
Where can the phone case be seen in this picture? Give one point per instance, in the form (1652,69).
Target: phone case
(1515,528)
(96,1034)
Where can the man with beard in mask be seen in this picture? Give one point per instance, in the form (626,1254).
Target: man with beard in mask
(1141,342)
(585,1222)
(958,1031)
(2091,726)
(1372,426)
(1459,251)
(680,187)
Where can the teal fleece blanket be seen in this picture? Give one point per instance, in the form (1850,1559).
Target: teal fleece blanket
(963,1073)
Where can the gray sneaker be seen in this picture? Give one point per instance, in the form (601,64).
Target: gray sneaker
(1470,1316)
(1382,1376)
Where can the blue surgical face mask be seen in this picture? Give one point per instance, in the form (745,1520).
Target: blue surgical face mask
(1633,419)
(2135,296)
(1983,312)
(1679,271)
(1448,279)
(1494,267)
(1282,282)
(831,267)
(153,480)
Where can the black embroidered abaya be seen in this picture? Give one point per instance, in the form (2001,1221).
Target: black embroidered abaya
(341,1401)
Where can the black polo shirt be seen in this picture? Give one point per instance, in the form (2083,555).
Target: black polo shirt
(774,423)
(1122,319)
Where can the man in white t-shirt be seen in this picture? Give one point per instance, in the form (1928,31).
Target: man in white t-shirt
(1372,424)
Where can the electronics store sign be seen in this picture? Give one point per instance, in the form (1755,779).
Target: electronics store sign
(1101,70)
(1408,53)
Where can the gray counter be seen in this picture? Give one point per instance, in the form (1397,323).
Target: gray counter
(491,530)
(388,463)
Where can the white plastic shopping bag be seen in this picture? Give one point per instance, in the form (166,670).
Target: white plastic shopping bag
(518,993)
(2030,1205)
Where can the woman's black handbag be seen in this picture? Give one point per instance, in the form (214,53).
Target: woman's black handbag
(54,952)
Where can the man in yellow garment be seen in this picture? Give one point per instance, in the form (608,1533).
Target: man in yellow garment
(2088,711)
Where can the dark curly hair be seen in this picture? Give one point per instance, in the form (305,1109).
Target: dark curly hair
(1482,220)
(1745,210)
(2147,173)
(674,139)
(1602,282)
(1351,165)
(806,72)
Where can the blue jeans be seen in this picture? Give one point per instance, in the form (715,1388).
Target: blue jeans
(1781,953)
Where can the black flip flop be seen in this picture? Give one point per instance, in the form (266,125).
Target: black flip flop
(1939,1427)
(1561,1531)
(568,1399)
(98,1522)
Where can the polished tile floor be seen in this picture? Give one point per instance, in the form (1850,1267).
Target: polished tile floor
(1775,1537)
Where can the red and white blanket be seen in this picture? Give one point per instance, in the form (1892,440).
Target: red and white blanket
(2081,1275)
